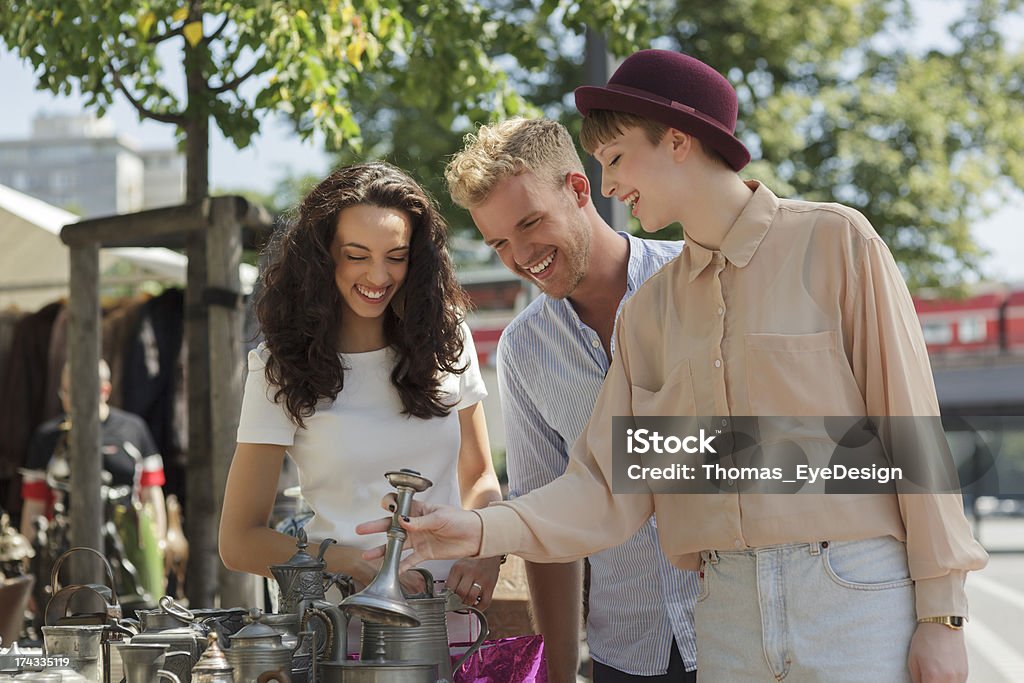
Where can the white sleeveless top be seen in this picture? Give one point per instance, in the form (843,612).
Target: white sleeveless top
(347,446)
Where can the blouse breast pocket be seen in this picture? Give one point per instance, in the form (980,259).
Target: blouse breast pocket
(800,375)
(674,397)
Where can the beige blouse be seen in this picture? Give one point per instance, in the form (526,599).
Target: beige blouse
(802,312)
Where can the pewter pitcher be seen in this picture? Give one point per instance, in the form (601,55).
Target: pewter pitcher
(303,582)
(174,626)
(429,640)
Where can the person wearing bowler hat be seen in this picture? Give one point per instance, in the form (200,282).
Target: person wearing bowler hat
(774,307)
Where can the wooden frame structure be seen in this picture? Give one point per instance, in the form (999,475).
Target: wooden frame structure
(211,232)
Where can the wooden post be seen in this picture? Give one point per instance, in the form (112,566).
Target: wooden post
(224,298)
(200,515)
(85,457)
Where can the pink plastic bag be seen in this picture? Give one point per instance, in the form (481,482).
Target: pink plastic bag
(508,660)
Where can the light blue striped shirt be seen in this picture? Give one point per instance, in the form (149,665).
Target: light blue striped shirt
(550,369)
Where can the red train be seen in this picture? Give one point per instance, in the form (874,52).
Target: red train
(990,322)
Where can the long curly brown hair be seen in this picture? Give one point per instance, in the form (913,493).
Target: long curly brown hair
(299,306)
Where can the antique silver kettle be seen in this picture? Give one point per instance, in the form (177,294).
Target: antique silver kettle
(258,653)
(174,626)
(302,582)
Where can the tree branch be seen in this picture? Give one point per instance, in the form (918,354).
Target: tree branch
(220,29)
(176,119)
(235,82)
(170,34)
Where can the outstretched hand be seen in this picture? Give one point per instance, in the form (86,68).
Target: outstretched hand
(434,532)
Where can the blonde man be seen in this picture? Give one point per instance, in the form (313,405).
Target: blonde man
(524,185)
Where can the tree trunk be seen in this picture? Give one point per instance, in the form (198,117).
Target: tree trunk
(200,516)
(597,66)
(227,370)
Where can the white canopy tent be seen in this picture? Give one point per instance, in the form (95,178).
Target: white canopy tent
(34,267)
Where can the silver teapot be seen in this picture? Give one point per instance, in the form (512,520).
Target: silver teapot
(171,625)
(257,653)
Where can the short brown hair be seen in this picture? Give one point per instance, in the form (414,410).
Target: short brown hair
(510,148)
(601,126)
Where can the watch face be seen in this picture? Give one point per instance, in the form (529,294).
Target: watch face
(956,622)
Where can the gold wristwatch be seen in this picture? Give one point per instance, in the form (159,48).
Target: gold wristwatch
(955,623)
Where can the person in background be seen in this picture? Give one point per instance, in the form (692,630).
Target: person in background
(524,185)
(130,458)
(135,526)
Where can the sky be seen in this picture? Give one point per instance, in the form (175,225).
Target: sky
(277,152)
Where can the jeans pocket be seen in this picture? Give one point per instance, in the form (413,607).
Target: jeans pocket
(702,578)
(870,565)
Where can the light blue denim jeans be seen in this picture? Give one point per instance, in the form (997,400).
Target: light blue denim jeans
(828,612)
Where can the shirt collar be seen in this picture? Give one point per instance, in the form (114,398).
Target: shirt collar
(634,276)
(743,237)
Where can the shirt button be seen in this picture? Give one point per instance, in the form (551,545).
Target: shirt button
(595,343)
(721,310)
(738,543)
(718,363)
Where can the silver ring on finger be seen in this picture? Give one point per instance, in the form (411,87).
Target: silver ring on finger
(478,586)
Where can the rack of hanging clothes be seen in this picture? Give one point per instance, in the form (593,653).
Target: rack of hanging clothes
(142,341)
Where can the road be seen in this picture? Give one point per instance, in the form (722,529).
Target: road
(995,634)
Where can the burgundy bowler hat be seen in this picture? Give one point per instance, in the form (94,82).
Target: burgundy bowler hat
(677,90)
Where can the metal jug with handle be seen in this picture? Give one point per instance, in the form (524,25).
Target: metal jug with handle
(429,640)
(82,645)
(173,626)
(97,613)
(302,583)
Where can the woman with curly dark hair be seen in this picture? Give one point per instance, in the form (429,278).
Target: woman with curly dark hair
(367,366)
